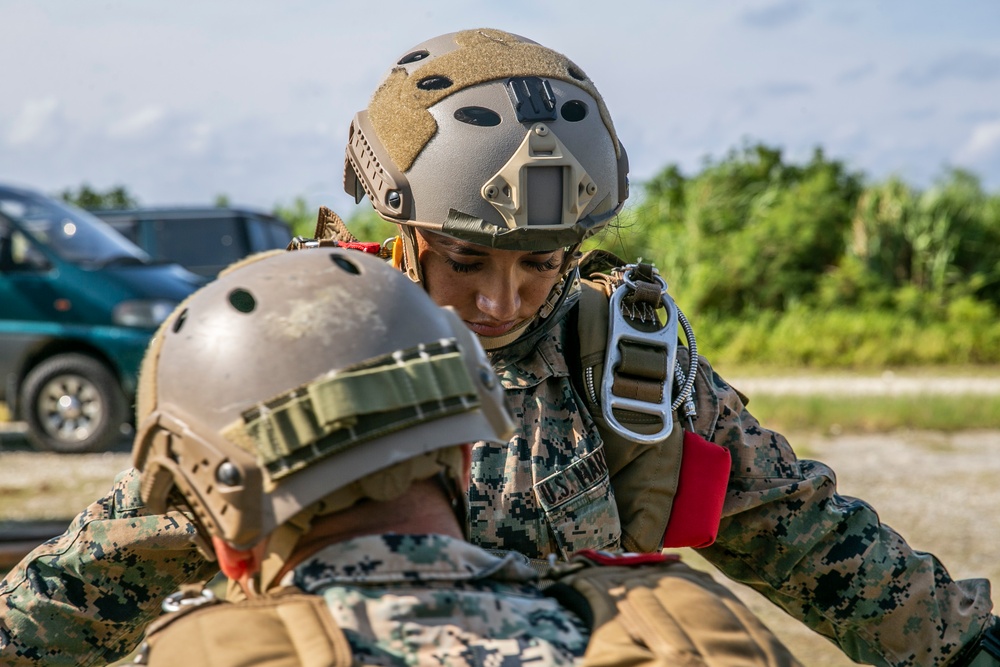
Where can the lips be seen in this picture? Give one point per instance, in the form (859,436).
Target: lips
(490,329)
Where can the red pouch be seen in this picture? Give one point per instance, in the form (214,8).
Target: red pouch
(701,490)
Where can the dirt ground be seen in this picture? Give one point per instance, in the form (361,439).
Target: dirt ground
(940,491)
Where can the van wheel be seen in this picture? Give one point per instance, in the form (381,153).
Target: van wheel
(72,403)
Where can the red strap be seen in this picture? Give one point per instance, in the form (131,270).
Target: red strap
(701,490)
(628,559)
(370,248)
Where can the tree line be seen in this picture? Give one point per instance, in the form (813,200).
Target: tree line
(813,264)
(796,264)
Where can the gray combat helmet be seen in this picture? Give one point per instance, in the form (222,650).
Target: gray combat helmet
(301,374)
(489,138)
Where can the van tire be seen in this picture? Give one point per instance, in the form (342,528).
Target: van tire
(72,403)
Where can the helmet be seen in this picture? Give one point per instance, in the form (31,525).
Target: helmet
(492,139)
(299,376)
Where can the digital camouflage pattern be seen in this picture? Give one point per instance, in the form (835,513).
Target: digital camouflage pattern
(547,491)
(786,532)
(435,600)
(383,600)
(85,597)
(823,557)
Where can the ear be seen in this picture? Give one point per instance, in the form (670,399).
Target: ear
(237,564)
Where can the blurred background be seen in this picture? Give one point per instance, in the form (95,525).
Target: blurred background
(818,182)
(182,102)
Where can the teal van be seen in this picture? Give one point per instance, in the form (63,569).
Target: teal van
(78,305)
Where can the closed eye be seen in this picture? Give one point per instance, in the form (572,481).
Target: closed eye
(549,265)
(459,267)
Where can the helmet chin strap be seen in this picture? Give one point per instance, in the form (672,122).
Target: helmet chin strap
(555,297)
(490,343)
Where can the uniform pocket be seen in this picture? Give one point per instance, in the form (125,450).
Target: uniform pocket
(579,505)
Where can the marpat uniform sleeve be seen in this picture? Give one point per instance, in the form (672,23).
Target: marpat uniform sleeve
(826,559)
(86,596)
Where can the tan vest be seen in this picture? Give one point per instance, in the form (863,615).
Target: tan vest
(654,614)
(284,629)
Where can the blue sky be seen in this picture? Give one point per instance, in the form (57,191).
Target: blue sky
(181,101)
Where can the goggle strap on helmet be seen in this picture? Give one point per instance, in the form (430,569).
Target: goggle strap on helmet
(526,239)
(341,410)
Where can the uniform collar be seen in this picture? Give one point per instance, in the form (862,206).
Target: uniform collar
(392,558)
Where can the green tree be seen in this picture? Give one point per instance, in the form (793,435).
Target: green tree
(747,233)
(367,225)
(939,244)
(298,215)
(86,197)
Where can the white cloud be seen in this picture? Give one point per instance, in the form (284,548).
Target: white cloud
(32,121)
(983,143)
(138,124)
(197,138)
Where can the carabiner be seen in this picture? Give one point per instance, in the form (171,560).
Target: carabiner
(620,329)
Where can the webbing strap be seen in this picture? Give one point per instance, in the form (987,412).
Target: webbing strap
(643,361)
(637,389)
(342,409)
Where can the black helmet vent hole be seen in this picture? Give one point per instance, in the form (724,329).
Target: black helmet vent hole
(434,83)
(576,73)
(242,300)
(179,320)
(413,57)
(574,111)
(345,264)
(478,116)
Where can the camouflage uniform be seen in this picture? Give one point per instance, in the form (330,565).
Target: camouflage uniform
(431,600)
(786,532)
(85,597)
(824,558)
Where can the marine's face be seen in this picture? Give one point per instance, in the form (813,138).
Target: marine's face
(491,290)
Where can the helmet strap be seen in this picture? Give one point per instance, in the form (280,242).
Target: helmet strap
(555,297)
(410,258)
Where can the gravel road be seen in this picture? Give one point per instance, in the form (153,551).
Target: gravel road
(886,384)
(938,490)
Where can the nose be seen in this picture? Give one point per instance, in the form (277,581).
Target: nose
(499,299)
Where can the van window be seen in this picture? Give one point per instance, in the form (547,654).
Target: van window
(74,235)
(267,234)
(17,253)
(200,242)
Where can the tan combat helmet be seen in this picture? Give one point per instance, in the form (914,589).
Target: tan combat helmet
(489,138)
(303,382)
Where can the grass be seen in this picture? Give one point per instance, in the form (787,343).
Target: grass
(835,415)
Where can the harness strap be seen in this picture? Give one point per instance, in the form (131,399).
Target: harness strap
(332,232)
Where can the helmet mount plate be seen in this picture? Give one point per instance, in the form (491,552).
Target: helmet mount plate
(508,190)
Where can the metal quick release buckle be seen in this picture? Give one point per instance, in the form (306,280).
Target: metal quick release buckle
(181,599)
(621,328)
